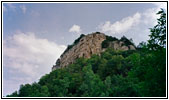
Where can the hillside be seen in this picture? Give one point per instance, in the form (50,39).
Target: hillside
(87,45)
(108,71)
(112,74)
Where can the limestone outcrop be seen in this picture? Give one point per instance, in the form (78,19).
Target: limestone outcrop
(87,46)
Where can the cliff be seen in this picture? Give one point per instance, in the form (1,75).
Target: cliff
(87,45)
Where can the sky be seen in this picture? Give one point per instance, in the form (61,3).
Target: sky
(36,34)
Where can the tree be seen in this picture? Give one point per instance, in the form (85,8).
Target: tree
(142,45)
(94,61)
(158,33)
(92,85)
(14,94)
(108,86)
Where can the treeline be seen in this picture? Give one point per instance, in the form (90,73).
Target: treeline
(139,73)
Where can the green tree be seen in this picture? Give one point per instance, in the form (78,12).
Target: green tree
(25,90)
(123,87)
(158,33)
(108,86)
(14,94)
(92,85)
(94,61)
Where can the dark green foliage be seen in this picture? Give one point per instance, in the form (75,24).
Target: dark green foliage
(158,33)
(78,39)
(127,41)
(95,61)
(110,38)
(142,45)
(97,32)
(123,87)
(133,73)
(114,73)
(105,43)
(151,74)
(34,90)
(91,85)
(14,94)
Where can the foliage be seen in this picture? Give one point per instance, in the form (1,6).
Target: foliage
(127,41)
(142,45)
(78,39)
(105,43)
(158,33)
(14,94)
(133,73)
(97,32)
(114,73)
(91,85)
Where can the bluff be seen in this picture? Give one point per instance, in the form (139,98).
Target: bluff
(87,45)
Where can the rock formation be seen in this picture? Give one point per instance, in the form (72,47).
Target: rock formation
(87,46)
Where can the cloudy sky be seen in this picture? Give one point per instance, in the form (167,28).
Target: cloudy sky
(35,34)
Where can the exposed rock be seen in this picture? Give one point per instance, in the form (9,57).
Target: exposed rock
(57,65)
(87,46)
(131,47)
(119,45)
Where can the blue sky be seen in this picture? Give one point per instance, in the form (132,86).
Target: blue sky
(35,34)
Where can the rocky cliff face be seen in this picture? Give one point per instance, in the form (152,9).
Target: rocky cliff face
(87,46)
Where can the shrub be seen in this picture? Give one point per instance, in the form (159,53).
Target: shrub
(105,43)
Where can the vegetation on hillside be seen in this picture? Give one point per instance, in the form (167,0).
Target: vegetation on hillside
(138,73)
(127,42)
(105,43)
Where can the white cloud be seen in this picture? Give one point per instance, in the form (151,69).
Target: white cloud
(120,26)
(28,57)
(23,8)
(75,28)
(136,26)
(150,17)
